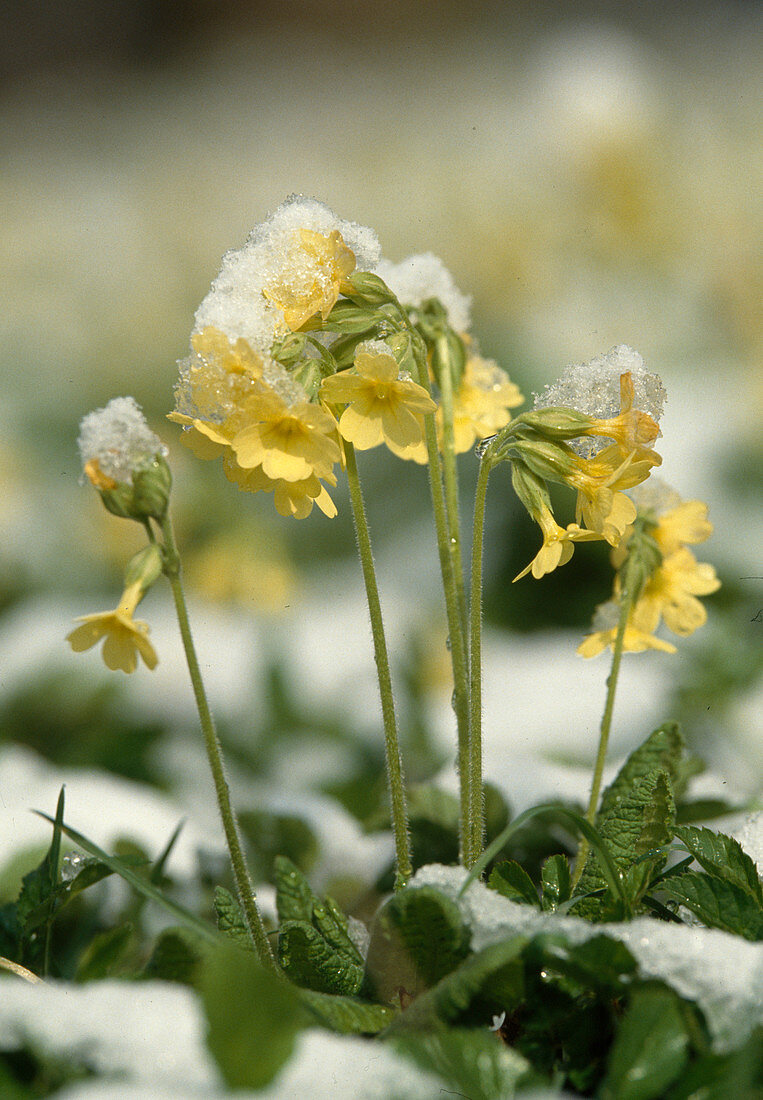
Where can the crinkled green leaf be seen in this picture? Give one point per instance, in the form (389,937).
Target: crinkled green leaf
(492,978)
(253,1016)
(650,1049)
(347,1015)
(639,823)
(723,857)
(230,919)
(294,898)
(512,881)
(717,903)
(309,960)
(556,882)
(472,1063)
(417,938)
(662,751)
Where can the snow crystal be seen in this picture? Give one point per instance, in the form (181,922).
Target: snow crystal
(119,439)
(417,278)
(594,388)
(722,973)
(236,304)
(750,836)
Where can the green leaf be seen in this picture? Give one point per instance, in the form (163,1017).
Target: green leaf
(723,857)
(556,883)
(600,963)
(104,954)
(417,937)
(471,1062)
(717,903)
(492,978)
(638,824)
(347,1015)
(253,1016)
(142,885)
(230,919)
(512,881)
(650,1049)
(309,960)
(738,1074)
(175,957)
(294,898)
(37,898)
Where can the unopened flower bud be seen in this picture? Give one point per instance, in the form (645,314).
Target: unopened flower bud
(530,489)
(550,461)
(125,461)
(557,422)
(369,288)
(145,567)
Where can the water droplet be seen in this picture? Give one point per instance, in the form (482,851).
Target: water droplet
(448,644)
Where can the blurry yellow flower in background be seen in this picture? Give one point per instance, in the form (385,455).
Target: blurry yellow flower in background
(672,590)
(314,279)
(126,638)
(248,567)
(383,405)
(638,632)
(481,402)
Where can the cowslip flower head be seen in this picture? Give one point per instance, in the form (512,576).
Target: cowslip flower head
(671,593)
(124,460)
(126,638)
(384,405)
(293,267)
(418,278)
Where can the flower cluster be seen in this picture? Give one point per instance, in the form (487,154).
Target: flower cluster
(600,443)
(669,589)
(308,341)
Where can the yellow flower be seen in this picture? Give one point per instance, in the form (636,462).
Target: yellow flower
(382,406)
(686,523)
(314,278)
(481,403)
(632,430)
(671,593)
(557,548)
(600,503)
(291,498)
(125,636)
(220,374)
(289,441)
(636,639)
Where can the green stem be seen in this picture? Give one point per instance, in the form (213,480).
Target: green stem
(396,783)
(450,476)
(456,631)
(214,755)
(626,601)
(475,662)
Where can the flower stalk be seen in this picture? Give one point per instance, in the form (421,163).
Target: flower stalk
(395,780)
(244,886)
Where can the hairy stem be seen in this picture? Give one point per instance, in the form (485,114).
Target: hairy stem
(244,886)
(395,781)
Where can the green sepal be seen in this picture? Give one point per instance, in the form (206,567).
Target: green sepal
(147,497)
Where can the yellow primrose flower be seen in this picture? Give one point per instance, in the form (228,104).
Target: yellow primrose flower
(632,430)
(481,403)
(220,374)
(672,589)
(382,405)
(291,498)
(557,548)
(636,639)
(290,441)
(125,636)
(314,278)
(686,523)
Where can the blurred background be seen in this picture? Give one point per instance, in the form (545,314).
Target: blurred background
(590,177)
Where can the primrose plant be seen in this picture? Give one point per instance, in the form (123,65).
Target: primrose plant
(311,347)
